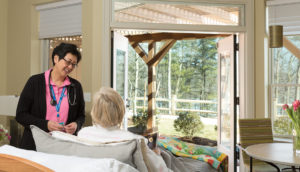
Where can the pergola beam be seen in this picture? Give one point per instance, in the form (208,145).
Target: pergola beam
(291,47)
(139,50)
(162,52)
(157,37)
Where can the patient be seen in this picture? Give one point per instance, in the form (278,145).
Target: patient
(107,115)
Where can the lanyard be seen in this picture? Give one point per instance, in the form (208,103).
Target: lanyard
(57,106)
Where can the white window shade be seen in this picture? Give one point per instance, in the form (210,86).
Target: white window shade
(60,19)
(286,14)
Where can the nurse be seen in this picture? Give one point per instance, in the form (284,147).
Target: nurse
(52,101)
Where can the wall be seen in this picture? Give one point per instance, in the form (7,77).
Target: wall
(3,45)
(260,63)
(22,53)
(18,45)
(92,41)
(3,52)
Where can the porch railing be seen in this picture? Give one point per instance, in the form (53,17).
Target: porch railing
(173,105)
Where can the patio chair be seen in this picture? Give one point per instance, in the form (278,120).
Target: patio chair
(255,131)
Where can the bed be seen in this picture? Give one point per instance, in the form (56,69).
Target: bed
(131,152)
(64,152)
(14,163)
(15,159)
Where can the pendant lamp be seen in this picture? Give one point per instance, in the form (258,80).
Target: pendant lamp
(276,35)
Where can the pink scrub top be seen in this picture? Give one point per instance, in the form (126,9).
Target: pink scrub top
(51,113)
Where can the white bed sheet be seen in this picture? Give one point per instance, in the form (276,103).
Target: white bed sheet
(68,163)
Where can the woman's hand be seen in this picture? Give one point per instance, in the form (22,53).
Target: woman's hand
(54,126)
(157,150)
(71,128)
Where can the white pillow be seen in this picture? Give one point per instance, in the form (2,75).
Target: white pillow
(69,137)
(128,152)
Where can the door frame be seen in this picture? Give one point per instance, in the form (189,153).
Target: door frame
(246,62)
(121,40)
(231,152)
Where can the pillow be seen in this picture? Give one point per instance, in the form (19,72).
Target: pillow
(68,137)
(153,161)
(128,152)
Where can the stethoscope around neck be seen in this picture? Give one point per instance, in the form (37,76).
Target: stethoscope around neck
(70,88)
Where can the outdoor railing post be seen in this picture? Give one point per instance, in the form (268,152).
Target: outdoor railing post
(173,104)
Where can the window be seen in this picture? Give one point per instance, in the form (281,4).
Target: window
(135,11)
(53,42)
(186,81)
(285,87)
(284,64)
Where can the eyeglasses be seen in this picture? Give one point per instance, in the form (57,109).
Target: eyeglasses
(69,62)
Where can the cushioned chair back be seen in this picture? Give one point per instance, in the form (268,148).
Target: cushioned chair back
(254,131)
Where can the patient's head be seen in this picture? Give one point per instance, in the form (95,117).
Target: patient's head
(108,109)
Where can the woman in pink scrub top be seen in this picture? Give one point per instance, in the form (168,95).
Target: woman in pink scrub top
(52,100)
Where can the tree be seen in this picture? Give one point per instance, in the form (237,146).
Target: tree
(192,69)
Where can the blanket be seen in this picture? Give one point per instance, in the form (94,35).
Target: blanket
(203,153)
(184,164)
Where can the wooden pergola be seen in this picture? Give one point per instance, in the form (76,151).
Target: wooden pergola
(153,58)
(291,47)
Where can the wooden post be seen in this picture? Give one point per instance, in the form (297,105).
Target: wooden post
(151,97)
(151,87)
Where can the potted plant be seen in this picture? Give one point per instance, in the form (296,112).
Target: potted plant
(140,127)
(140,122)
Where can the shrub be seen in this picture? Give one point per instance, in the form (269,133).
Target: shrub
(140,119)
(282,125)
(188,123)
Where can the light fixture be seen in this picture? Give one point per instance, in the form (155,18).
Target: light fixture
(276,35)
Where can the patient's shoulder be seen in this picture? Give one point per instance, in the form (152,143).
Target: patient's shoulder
(99,134)
(85,129)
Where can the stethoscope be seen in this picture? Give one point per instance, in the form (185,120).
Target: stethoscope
(53,101)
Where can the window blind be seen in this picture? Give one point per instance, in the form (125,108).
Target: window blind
(60,19)
(285,13)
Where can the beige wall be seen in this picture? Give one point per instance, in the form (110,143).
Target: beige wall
(91,46)
(20,43)
(3,52)
(259,60)
(3,45)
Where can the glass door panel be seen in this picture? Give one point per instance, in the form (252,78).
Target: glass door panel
(120,72)
(226,94)
(120,68)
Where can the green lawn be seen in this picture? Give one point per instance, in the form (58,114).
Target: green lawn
(165,127)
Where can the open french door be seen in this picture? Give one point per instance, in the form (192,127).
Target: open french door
(227,96)
(120,69)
